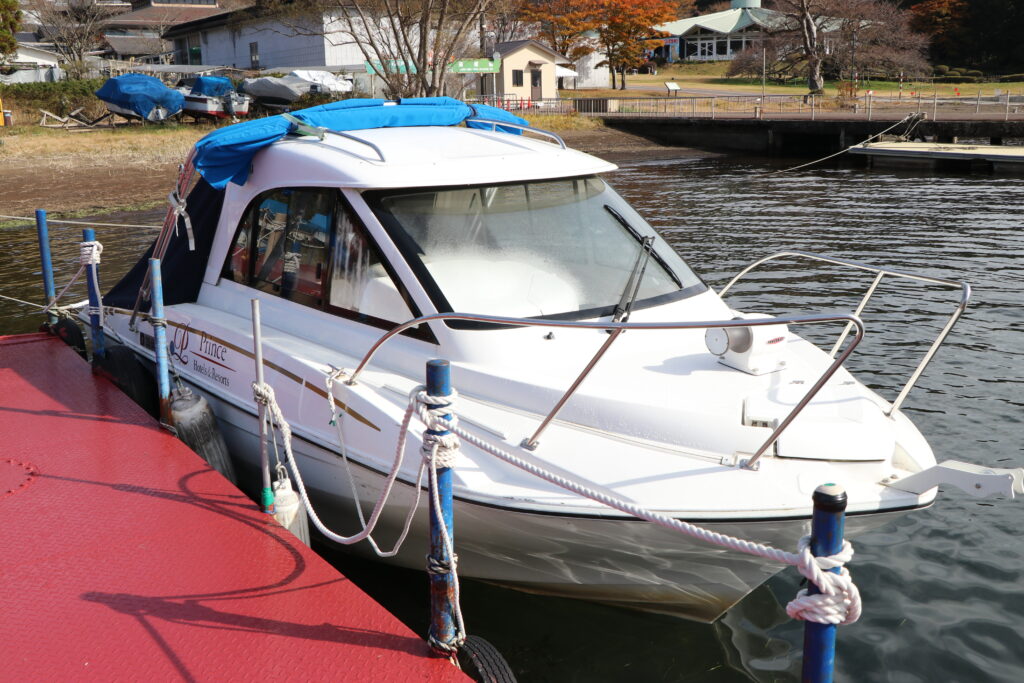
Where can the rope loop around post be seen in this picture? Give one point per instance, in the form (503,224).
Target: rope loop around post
(435,413)
(839,601)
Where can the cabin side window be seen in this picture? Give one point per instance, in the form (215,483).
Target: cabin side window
(359,282)
(309,246)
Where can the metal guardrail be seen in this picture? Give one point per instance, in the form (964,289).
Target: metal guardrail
(616,330)
(965,295)
(1004,107)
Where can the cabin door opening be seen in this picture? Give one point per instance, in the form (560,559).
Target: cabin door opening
(536,92)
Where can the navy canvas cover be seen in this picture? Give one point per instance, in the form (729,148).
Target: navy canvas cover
(212,86)
(140,93)
(225,155)
(182,269)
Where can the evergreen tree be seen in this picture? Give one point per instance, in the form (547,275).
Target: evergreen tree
(10,23)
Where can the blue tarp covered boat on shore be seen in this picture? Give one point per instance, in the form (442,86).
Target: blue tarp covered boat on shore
(140,96)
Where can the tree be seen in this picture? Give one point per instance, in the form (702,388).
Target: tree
(846,36)
(10,23)
(74,28)
(624,26)
(563,24)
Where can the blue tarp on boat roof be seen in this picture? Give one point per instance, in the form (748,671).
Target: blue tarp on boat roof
(225,155)
(140,93)
(212,86)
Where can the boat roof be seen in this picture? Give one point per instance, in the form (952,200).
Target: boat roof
(374,143)
(417,157)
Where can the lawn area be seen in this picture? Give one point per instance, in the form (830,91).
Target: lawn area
(711,75)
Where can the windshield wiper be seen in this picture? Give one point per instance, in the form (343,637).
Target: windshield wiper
(636,276)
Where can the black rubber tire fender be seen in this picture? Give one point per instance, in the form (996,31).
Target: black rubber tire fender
(482,662)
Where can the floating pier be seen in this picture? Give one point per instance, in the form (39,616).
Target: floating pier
(937,154)
(128,557)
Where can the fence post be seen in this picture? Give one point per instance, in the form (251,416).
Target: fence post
(156,319)
(443,634)
(43,233)
(935,106)
(977,106)
(1007,116)
(92,277)
(813,101)
(870,100)
(714,101)
(827,525)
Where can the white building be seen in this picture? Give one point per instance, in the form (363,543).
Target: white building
(718,36)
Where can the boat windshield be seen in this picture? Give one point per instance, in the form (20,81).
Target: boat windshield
(551,248)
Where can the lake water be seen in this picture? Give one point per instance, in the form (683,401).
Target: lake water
(944,587)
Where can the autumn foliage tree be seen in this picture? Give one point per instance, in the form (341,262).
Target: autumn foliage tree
(623,28)
(563,24)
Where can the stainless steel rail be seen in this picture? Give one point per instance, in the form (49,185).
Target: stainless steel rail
(529,129)
(965,296)
(617,329)
(303,128)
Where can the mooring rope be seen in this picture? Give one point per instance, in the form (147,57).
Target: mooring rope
(906,118)
(838,602)
(86,223)
(88,255)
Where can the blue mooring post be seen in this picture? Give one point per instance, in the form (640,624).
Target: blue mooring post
(43,233)
(826,539)
(160,337)
(92,276)
(442,583)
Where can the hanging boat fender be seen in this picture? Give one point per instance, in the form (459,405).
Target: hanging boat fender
(71,334)
(196,425)
(289,510)
(121,366)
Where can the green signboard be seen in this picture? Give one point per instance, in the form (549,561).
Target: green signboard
(475,66)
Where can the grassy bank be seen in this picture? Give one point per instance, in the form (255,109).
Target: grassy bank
(122,147)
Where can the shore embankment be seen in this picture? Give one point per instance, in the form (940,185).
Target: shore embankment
(132,168)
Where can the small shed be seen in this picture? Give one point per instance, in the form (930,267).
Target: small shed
(528,70)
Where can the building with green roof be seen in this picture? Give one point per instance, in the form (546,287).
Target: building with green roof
(718,36)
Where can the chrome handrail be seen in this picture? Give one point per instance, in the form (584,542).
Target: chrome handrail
(617,329)
(965,296)
(529,129)
(303,128)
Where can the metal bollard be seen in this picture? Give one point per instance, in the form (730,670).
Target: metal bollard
(267,492)
(156,318)
(47,262)
(827,526)
(92,276)
(442,583)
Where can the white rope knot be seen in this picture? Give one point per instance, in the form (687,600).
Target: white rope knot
(435,412)
(839,600)
(178,209)
(263,393)
(291,263)
(89,254)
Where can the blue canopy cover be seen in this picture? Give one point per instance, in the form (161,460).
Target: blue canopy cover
(140,93)
(225,154)
(212,86)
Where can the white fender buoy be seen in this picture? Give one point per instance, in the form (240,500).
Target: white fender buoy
(196,425)
(289,510)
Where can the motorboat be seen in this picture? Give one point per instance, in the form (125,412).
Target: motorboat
(213,97)
(137,96)
(378,235)
(275,91)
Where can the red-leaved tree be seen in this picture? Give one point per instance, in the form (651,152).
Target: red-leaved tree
(623,27)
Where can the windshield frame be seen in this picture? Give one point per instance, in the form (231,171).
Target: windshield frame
(407,247)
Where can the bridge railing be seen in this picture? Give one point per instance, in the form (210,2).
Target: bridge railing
(868,106)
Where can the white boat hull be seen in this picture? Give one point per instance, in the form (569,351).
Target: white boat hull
(624,562)
(156,114)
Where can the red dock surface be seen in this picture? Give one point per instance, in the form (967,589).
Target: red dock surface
(127,558)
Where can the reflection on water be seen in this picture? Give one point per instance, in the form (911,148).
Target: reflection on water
(943,589)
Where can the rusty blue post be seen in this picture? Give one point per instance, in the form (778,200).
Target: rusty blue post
(827,525)
(156,318)
(49,291)
(443,632)
(92,277)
